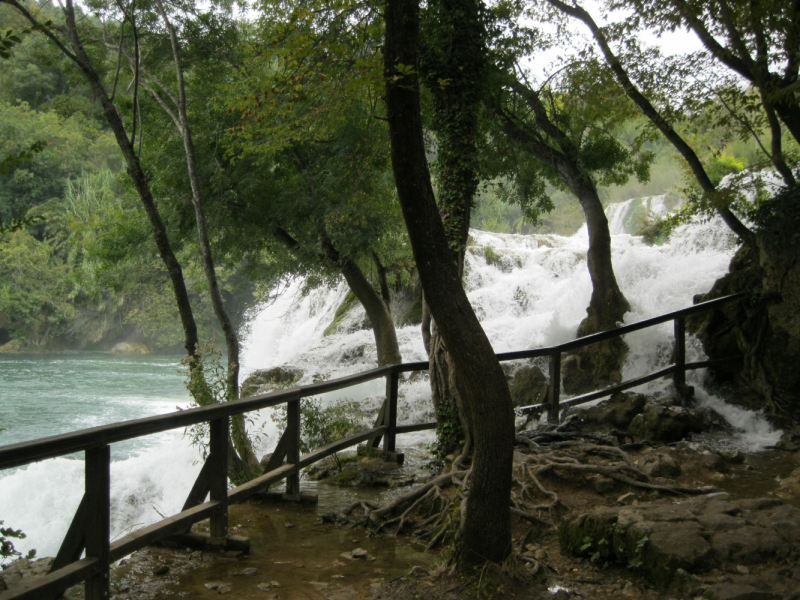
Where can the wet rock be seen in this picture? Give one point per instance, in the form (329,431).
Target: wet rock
(419,572)
(528,386)
(614,413)
(661,422)
(161,570)
(669,540)
(267,380)
(23,569)
(213,585)
(130,348)
(266,586)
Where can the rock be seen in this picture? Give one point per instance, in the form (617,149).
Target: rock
(528,386)
(267,380)
(663,423)
(732,591)
(629,589)
(419,572)
(13,346)
(130,348)
(614,413)
(764,326)
(212,585)
(659,464)
(224,589)
(349,317)
(668,540)
(360,553)
(603,484)
(161,570)
(23,569)
(265,586)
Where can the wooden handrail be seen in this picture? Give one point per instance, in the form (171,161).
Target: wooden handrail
(90,527)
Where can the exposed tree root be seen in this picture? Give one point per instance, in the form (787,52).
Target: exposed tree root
(433,511)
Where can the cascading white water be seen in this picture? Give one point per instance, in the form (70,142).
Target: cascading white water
(534,295)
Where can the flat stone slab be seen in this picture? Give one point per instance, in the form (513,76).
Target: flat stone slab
(690,536)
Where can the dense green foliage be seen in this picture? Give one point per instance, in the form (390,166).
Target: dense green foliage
(291,138)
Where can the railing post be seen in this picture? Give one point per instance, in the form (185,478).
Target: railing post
(218,485)
(679,377)
(293,444)
(98,484)
(555,387)
(391,421)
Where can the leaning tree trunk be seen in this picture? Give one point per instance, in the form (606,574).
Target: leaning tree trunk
(655,117)
(377,306)
(598,365)
(458,58)
(486,527)
(78,55)
(245,465)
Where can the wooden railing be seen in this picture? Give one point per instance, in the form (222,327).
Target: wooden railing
(90,527)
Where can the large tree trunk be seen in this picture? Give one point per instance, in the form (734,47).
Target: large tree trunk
(455,56)
(486,527)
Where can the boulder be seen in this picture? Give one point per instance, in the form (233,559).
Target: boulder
(266,380)
(24,570)
(13,346)
(663,422)
(615,413)
(764,326)
(130,348)
(664,539)
(660,464)
(528,386)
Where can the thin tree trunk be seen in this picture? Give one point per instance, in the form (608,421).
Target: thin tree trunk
(649,111)
(378,309)
(486,527)
(600,363)
(78,56)
(250,467)
(608,304)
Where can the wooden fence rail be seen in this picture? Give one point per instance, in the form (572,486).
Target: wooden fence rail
(89,531)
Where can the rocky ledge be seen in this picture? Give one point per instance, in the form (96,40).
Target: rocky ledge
(711,546)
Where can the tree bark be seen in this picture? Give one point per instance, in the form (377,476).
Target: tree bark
(486,527)
(378,309)
(453,68)
(249,466)
(377,306)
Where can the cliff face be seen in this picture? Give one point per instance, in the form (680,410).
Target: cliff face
(764,327)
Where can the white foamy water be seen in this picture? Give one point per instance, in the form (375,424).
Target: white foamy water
(536,295)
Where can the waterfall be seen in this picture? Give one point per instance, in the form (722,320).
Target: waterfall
(528,292)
